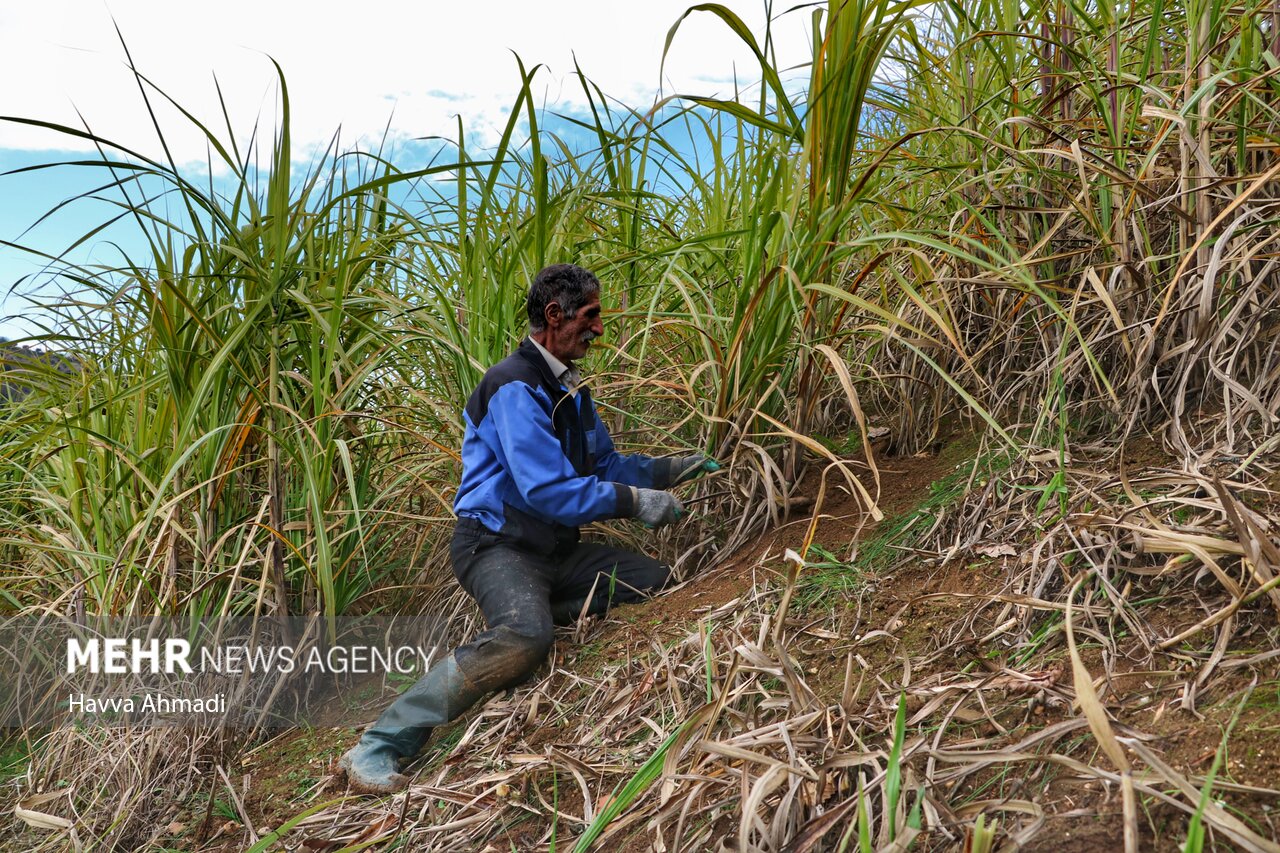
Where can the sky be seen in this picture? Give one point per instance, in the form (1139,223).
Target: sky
(404,69)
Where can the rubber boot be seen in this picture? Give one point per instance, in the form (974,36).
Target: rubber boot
(442,694)
(373,768)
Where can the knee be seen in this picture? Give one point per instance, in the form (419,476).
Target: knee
(645,581)
(658,577)
(529,646)
(505,656)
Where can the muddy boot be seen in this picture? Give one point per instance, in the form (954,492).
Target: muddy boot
(373,768)
(439,696)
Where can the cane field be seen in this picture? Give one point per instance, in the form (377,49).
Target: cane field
(980,312)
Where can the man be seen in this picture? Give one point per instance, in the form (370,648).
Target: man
(537,462)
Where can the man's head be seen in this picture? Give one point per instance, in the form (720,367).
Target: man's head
(564,310)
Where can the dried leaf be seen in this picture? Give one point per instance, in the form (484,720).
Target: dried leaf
(1096,715)
(41,820)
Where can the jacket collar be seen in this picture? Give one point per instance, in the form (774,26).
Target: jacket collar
(551,367)
(528,351)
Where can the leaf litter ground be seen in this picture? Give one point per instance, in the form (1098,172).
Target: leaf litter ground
(959,610)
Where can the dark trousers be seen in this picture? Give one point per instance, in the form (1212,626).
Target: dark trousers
(523,596)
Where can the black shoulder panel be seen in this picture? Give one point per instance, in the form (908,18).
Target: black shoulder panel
(525,365)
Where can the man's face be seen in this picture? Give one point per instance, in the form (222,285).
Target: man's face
(568,339)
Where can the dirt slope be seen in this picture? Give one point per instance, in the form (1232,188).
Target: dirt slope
(532,767)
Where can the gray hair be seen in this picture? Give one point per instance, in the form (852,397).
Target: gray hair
(568,285)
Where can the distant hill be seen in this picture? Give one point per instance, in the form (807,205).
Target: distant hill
(23,369)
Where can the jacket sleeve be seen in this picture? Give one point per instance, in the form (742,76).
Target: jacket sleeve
(526,441)
(633,469)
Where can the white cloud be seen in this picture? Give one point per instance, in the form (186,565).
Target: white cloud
(354,65)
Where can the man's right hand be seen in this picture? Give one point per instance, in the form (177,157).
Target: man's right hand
(656,508)
(690,467)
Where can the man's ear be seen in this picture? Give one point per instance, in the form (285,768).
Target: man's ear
(553,314)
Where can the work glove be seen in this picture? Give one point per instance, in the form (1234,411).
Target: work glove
(690,467)
(656,508)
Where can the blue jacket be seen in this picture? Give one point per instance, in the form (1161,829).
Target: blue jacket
(537,463)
